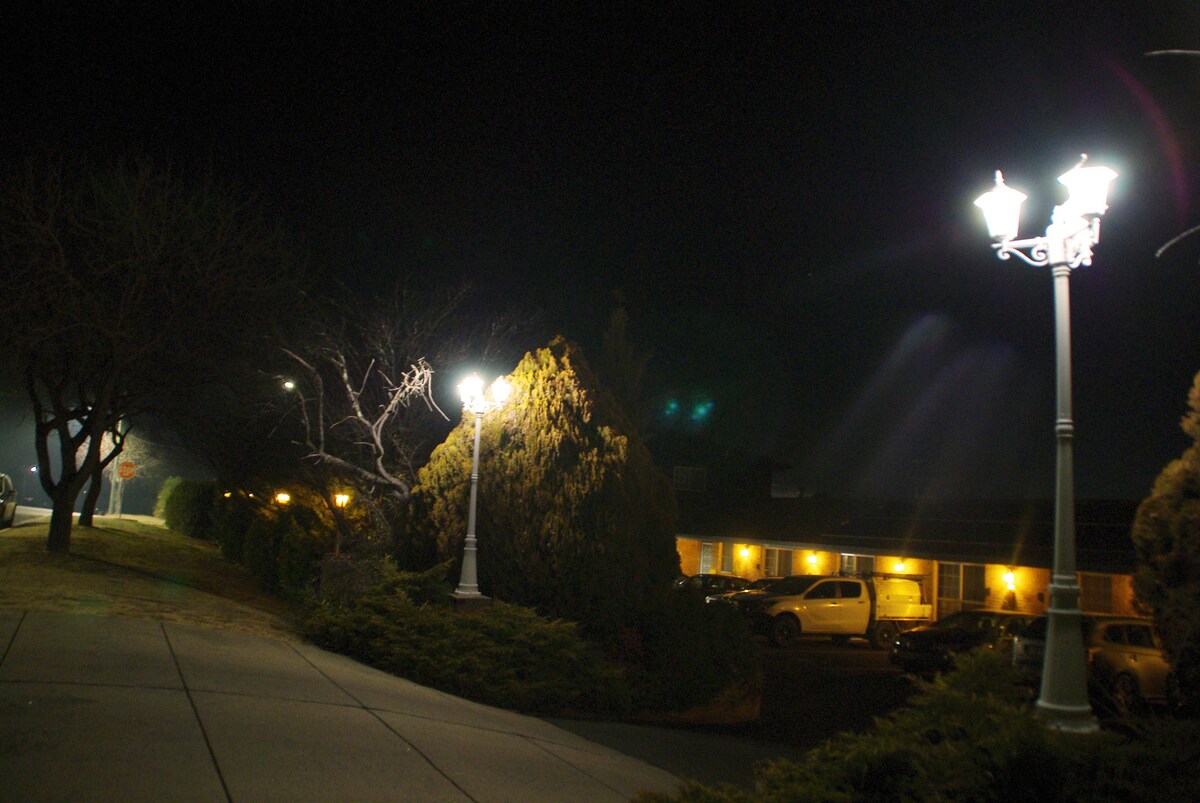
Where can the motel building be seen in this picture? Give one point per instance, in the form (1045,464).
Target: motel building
(966,555)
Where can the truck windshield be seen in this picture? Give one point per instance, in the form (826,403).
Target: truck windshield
(793,585)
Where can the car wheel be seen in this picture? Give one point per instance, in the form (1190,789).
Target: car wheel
(785,630)
(883,634)
(1126,698)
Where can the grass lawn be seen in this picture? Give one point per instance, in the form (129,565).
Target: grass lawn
(129,567)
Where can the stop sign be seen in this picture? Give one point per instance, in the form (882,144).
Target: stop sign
(126,470)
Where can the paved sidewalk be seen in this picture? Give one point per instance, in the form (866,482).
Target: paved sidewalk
(97,708)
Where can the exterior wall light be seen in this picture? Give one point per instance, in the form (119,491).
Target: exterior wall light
(899,567)
(1010,580)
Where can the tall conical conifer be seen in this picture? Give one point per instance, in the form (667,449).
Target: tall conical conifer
(573,517)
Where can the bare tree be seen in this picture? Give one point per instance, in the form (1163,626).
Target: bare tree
(363,395)
(132,288)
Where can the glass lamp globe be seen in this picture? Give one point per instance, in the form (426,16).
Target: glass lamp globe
(1001,207)
(1088,188)
(470,389)
(501,390)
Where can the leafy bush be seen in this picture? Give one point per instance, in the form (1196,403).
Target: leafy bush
(501,655)
(972,735)
(186,506)
(164,493)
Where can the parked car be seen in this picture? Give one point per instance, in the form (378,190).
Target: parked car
(8,501)
(711,586)
(1126,663)
(931,648)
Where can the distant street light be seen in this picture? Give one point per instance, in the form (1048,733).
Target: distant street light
(341,499)
(1073,231)
(478,403)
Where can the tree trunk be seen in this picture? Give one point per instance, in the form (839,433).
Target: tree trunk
(59,538)
(88,512)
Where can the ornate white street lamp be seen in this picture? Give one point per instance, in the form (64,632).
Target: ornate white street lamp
(1073,231)
(478,403)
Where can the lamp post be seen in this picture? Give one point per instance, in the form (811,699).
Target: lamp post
(478,403)
(1073,231)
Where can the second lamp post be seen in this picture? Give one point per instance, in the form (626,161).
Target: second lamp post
(477,402)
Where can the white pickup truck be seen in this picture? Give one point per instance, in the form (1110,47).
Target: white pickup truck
(875,608)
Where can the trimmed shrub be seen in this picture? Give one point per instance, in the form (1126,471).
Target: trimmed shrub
(164,493)
(501,655)
(187,506)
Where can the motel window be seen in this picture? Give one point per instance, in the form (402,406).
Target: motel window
(856,564)
(777,563)
(1096,593)
(706,557)
(689,478)
(960,587)
(727,558)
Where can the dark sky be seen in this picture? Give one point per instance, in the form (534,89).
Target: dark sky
(781,192)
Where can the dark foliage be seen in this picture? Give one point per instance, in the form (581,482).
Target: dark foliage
(502,655)
(1166,534)
(186,506)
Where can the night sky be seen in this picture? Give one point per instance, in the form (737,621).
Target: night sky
(781,193)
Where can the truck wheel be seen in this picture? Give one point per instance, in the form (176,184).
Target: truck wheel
(785,630)
(883,634)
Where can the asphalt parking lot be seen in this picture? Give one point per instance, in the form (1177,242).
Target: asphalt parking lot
(812,691)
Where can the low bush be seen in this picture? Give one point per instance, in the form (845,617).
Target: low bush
(972,735)
(186,506)
(164,493)
(501,655)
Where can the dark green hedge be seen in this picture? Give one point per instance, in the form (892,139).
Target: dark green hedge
(186,506)
(501,655)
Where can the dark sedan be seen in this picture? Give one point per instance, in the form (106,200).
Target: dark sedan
(931,648)
(711,586)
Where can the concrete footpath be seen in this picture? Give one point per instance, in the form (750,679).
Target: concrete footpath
(100,708)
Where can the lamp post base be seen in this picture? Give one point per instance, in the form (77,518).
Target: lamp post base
(465,601)
(1069,719)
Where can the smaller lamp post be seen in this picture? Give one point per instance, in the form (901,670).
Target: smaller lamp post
(478,403)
